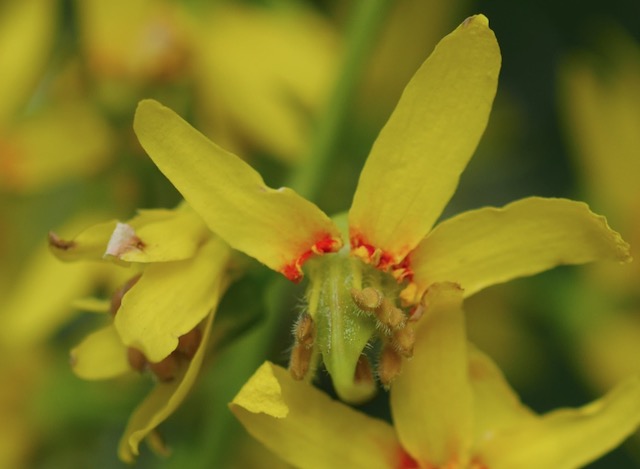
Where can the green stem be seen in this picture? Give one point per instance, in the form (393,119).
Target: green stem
(244,357)
(311,174)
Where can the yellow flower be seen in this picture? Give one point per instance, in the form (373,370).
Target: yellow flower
(29,319)
(62,141)
(451,408)
(410,174)
(152,44)
(260,92)
(601,101)
(162,317)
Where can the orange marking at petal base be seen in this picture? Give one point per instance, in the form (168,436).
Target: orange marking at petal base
(326,244)
(380,259)
(405,461)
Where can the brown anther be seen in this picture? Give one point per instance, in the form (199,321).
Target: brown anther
(116,298)
(389,365)
(300,361)
(403,341)
(57,242)
(390,315)
(304,331)
(188,343)
(367,299)
(167,369)
(363,373)
(136,358)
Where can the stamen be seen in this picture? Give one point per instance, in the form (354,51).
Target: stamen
(390,315)
(167,369)
(363,373)
(403,341)
(116,298)
(188,343)
(300,361)
(305,331)
(367,299)
(136,358)
(302,352)
(389,366)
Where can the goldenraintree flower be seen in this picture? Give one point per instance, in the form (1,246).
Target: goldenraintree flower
(373,286)
(451,408)
(162,317)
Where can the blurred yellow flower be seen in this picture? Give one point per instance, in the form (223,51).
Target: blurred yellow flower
(60,141)
(27,29)
(411,173)
(263,75)
(600,99)
(162,316)
(451,408)
(152,46)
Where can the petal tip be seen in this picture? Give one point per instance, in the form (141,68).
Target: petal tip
(123,240)
(479,20)
(56,243)
(262,394)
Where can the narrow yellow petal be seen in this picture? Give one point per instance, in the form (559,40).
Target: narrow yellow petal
(308,429)
(431,400)
(415,163)
(275,226)
(100,355)
(568,438)
(162,401)
(490,245)
(170,299)
(496,405)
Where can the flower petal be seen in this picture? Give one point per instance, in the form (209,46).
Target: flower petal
(415,163)
(496,405)
(568,438)
(307,428)
(170,299)
(163,400)
(90,244)
(277,227)
(100,355)
(431,400)
(490,245)
(160,236)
